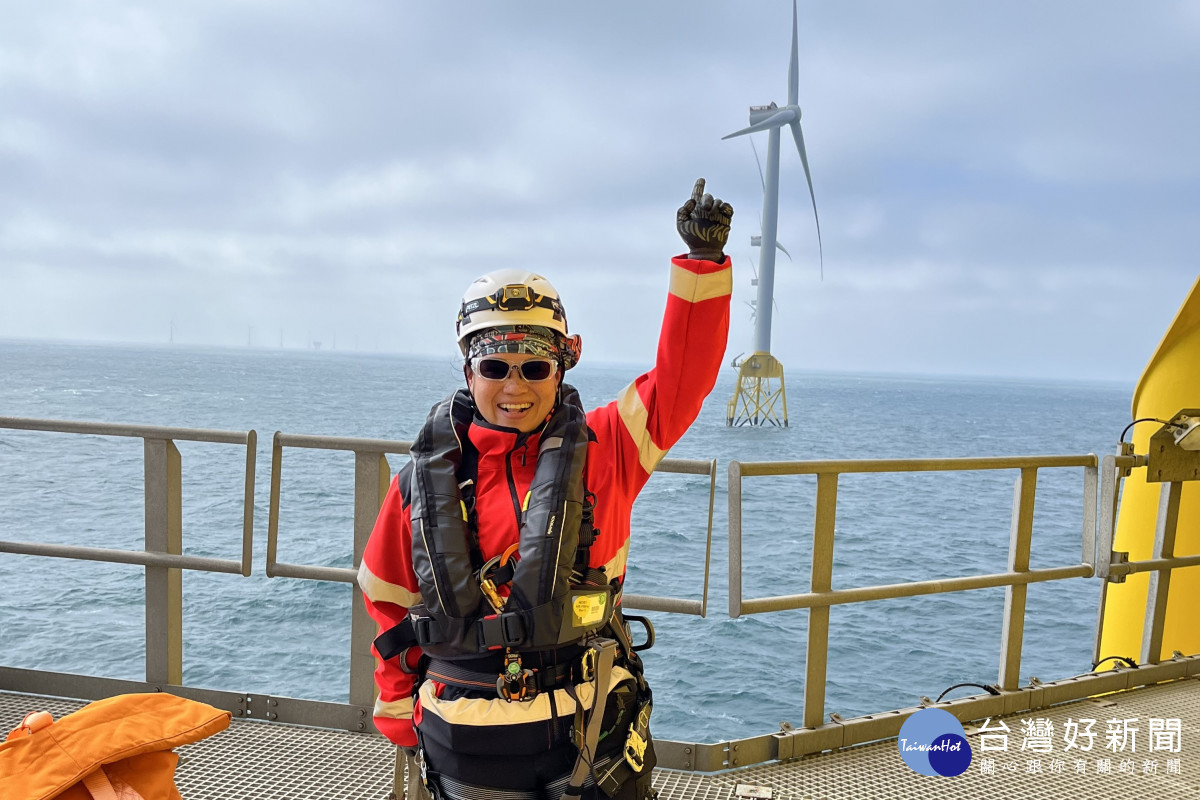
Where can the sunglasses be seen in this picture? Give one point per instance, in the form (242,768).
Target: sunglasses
(497,369)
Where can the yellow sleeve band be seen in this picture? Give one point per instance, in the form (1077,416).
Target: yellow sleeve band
(634,414)
(379,590)
(694,287)
(616,565)
(397,709)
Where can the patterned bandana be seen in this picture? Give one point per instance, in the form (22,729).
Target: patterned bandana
(532,339)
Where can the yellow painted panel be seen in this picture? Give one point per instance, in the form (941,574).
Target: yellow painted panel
(1170,382)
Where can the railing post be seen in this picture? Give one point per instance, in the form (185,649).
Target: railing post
(372,475)
(1020,534)
(1110,487)
(735,539)
(1091,492)
(273,503)
(817,657)
(164,586)
(248,504)
(712,497)
(1106,525)
(1160,579)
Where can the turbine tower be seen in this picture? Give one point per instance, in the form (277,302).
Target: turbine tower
(760,375)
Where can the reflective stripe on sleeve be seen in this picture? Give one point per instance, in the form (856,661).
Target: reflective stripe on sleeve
(694,287)
(634,414)
(397,709)
(615,567)
(379,590)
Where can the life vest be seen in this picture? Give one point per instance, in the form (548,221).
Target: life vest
(120,747)
(554,598)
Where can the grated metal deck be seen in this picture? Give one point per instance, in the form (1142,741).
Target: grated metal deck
(267,761)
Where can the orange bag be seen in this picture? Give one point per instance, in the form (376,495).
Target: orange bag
(114,749)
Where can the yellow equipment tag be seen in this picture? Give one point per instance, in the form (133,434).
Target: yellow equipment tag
(589,608)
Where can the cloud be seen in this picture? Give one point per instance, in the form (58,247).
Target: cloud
(993,182)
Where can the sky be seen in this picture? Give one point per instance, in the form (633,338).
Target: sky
(1005,189)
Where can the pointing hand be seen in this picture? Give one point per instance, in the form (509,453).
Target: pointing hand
(703,223)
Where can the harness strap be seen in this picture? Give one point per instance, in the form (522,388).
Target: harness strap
(605,650)
(100,788)
(633,662)
(547,678)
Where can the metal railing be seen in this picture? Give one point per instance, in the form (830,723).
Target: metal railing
(372,475)
(1114,566)
(821,595)
(817,734)
(162,559)
(676,605)
(163,555)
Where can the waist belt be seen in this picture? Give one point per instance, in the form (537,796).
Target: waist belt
(546,678)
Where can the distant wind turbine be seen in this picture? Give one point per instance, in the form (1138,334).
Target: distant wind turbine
(755,399)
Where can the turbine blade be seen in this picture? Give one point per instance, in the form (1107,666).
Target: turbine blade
(776,120)
(784,249)
(794,65)
(761,179)
(798,135)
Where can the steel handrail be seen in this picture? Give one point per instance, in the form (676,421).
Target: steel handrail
(377,447)
(124,429)
(822,596)
(163,553)
(832,468)
(140,557)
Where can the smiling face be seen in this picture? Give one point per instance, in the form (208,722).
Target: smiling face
(514,402)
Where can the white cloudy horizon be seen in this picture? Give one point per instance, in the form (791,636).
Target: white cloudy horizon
(1003,190)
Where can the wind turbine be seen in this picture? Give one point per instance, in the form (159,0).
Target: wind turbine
(756,395)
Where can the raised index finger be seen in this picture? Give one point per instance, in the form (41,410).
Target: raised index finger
(698,190)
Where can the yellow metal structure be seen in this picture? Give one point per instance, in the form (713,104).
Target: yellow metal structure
(1170,382)
(760,397)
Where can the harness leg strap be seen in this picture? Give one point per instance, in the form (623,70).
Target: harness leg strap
(605,650)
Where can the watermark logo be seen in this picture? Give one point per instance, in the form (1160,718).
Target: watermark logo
(932,742)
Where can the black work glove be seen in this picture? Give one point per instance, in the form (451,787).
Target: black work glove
(703,223)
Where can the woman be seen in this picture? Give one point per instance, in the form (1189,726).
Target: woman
(495,567)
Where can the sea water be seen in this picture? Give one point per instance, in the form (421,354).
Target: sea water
(714,678)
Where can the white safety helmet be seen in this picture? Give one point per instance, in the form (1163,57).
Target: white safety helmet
(509,297)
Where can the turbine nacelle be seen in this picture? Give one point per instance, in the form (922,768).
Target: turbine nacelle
(760,113)
(774,118)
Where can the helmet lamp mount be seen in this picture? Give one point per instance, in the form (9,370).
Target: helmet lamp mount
(514,297)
